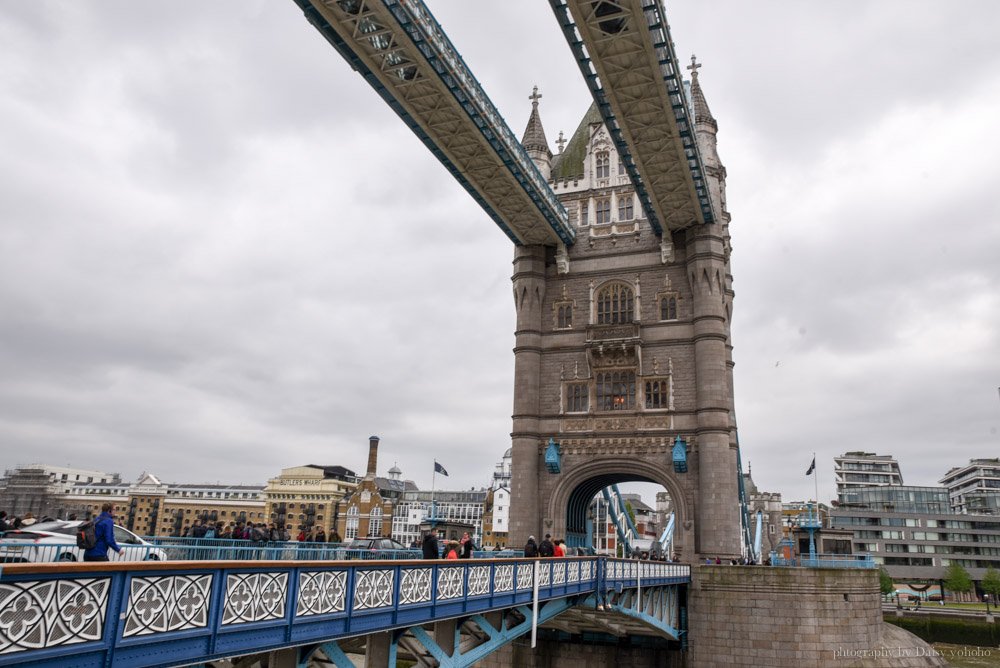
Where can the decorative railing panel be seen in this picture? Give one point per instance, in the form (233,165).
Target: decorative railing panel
(50,613)
(189,612)
(162,604)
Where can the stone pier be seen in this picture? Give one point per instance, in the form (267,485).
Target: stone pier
(806,617)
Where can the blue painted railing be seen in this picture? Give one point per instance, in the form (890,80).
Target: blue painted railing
(218,549)
(826,561)
(163,614)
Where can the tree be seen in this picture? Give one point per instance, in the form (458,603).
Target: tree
(991,583)
(957,578)
(885,582)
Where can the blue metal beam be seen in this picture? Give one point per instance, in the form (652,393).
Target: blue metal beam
(407,33)
(645,24)
(497,637)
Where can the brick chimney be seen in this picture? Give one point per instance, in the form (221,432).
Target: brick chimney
(372,456)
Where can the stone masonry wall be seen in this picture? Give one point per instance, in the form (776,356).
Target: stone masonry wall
(762,616)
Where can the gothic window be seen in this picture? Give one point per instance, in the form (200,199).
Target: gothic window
(603,164)
(621,167)
(602,211)
(375,522)
(657,393)
(615,305)
(577,398)
(584,205)
(625,210)
(616,391)
(668,307)
(351,530)
(564,315)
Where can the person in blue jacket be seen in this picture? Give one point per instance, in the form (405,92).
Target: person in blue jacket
(104,531)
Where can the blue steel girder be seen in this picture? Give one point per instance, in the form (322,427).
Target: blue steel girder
(626,55)
(402,52)
(624,526)
(496,637)
(655,606)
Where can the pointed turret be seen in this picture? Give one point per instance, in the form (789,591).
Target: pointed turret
(534,140)
(702,114)
(706,129)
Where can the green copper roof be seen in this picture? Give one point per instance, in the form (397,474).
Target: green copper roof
(569,163)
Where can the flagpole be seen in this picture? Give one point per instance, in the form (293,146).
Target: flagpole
(816,487)
(433,485)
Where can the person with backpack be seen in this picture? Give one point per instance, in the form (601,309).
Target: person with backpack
(531,548)
(104,536)
(545,548)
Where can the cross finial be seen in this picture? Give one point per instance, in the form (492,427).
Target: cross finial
(534,97)
(694,66)
(560,142)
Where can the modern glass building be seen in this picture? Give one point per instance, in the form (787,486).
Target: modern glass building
(865,469)
(900,499)
(915,535)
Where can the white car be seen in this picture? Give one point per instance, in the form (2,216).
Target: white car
(56,541)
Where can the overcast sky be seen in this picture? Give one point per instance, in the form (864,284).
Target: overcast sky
(221,254)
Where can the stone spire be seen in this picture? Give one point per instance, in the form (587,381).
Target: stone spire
(702,114)
(534,140)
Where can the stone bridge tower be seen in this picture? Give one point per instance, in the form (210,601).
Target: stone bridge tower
(622,346)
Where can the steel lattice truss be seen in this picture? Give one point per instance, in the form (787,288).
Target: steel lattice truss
(402,52)
(626,55)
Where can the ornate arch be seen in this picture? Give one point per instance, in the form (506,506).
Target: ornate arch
(569,501)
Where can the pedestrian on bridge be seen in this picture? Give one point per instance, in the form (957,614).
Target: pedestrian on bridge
(430,545)
(451,552)
(546,548)
(467,546)
(531,548)
(104,532)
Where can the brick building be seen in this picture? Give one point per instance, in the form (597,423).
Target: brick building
(302,497)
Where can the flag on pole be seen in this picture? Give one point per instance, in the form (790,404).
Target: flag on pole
(439,469)
(812,467)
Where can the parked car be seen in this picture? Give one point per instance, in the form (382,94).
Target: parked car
(581,551)
(373,544)
(56,541)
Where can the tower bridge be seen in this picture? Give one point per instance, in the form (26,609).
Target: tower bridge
(623,372)
(622,282)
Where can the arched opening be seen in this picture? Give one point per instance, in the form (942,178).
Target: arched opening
(582,514)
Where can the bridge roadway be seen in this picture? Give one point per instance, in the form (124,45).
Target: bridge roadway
(316,612)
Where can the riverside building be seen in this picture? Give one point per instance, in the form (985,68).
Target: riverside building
(854,470)
(974,488)
(913,532)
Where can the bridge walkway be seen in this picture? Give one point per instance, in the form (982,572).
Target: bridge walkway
(180,613)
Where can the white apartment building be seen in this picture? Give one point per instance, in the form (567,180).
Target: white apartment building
(974,488)
(854,470)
